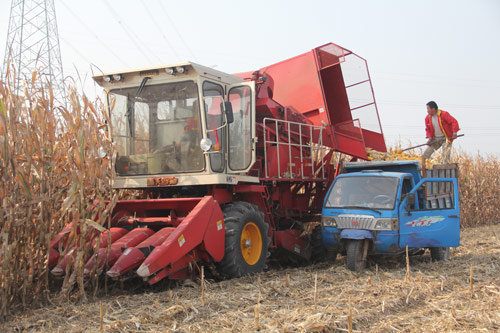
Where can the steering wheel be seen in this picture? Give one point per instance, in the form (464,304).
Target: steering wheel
(165,149)
(382,199)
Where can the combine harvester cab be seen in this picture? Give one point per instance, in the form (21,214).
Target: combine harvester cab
(238,164)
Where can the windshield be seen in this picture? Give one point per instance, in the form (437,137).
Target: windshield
(156,129)
(363,191)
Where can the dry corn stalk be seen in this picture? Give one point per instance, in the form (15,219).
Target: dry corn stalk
(51,173)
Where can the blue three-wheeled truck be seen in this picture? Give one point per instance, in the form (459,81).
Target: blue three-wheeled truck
(383,207)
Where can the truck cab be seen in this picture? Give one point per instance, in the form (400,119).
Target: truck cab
(384,207)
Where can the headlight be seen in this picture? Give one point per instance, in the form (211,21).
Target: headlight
(205,144)
(102,152)
(386,224)
(328,221)
(170,71)
(107,78)
(117,77)
(180,69)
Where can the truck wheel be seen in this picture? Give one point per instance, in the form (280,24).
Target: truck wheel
(355,260)
(440,253)
(247,241)
(318,251)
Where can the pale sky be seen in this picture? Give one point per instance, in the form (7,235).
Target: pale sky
(417,51)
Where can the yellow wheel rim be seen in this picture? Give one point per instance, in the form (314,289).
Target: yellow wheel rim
(251,243)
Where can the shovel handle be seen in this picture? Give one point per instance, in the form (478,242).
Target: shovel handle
(425,144)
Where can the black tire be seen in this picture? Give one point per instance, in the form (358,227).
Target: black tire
(440,253)
(331,255)
(237,215)
(318,251)
(355,260)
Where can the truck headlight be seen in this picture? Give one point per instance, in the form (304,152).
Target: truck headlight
(386,224)
(205,144)
(180,69)
(328,221)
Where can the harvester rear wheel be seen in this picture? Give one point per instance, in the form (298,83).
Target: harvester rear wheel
(247,241)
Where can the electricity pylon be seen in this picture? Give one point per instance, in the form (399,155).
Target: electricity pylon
(33,46)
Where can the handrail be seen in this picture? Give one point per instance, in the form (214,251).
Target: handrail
(316,150)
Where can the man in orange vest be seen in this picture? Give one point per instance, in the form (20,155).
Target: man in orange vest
(441,129)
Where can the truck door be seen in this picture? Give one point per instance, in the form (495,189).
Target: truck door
(241,132)
(434,219)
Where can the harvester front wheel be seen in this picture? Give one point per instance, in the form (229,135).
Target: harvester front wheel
(247,241)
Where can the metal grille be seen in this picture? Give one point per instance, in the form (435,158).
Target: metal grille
(440,194)
(364,222)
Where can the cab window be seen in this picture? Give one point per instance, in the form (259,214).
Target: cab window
(213,97)
(240,131)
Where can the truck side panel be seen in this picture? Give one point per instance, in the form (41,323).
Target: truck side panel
(425,226)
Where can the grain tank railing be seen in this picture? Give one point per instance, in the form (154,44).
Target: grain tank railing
(293,150)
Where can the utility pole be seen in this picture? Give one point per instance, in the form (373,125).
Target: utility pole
(33,45)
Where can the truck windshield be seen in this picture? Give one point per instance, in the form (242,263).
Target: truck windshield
(372,192)
(156,129)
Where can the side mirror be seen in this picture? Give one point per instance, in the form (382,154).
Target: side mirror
(410,201)
(229,112)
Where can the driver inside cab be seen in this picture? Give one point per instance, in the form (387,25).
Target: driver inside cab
(190,140)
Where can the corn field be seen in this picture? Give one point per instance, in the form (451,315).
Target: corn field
(52,173)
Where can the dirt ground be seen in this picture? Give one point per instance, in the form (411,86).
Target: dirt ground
(434,297)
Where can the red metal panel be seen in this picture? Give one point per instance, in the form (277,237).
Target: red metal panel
(296,84)
(134,256)
(177,266)
(313,83)
(290,240)
(187,236)
(214,238)
(131,239)
(140,207)
(113,233)
(60,268)
(374,140)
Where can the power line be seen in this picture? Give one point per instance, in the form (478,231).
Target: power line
(76,50)
(177,31)
(110,50)
(420,104)
(440,77)
(436,82)
(130,33)
(159,29)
